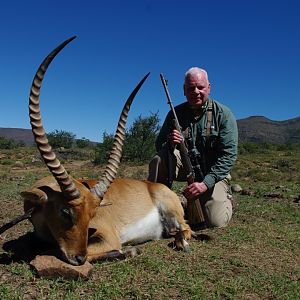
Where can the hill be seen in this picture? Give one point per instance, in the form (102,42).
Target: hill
(18,134)
(257,129)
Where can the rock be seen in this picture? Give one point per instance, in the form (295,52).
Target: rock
(297,199)
(273,195)
(247,192)
(17,178)
(35,160)
(18,164)
(51,267)
(236,188)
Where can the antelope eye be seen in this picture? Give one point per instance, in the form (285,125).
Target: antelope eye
(66,213)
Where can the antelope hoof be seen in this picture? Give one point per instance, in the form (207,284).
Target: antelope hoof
(132,251)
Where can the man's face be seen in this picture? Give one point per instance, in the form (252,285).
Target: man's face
(196,89)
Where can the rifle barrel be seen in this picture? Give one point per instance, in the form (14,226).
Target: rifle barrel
(194,209)
(165,85)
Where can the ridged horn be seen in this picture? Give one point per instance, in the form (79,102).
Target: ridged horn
(58,171)
(112,166)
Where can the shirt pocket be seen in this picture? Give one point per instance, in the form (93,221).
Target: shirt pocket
(212,140)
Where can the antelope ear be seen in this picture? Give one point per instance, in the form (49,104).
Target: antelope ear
(35,196)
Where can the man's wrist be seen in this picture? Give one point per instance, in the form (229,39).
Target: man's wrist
(171,145)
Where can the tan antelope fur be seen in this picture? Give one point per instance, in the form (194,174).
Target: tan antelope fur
(93,219)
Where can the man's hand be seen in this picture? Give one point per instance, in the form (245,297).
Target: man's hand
(194,190)
(175,138)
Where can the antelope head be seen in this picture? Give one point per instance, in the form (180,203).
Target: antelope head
(62,206)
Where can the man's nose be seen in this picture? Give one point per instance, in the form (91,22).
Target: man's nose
(196,90)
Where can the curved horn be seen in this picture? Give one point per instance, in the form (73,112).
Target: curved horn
(58,171)
(116,152)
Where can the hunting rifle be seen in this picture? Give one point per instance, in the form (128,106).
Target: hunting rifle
(194,210)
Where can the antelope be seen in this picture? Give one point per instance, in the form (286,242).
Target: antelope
(91,220)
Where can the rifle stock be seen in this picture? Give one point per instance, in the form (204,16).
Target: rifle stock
(194,210)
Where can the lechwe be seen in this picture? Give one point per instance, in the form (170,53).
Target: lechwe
(93,219)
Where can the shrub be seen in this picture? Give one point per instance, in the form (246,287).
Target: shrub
(103,149)
(6,143)
(139,143)
(252,148)
(140,139)
(61,139)
(83,143)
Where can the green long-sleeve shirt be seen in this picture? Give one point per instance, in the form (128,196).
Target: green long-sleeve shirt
(219,155)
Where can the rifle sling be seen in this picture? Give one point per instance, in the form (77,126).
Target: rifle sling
(209,120)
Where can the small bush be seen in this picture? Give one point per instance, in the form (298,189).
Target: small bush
(7,162)
(283,165)
(103,149)
(139,144)
(61,139)
(6,143)
(253,148)
(83,143)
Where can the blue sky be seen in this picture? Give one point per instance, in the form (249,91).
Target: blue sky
(251,50)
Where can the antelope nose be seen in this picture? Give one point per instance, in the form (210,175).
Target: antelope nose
(80,259)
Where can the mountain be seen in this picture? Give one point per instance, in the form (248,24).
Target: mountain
(18,134)
(257,129)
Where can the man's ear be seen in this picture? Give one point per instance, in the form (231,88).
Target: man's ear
(184,90)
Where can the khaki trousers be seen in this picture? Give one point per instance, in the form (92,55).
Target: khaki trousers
(216,203)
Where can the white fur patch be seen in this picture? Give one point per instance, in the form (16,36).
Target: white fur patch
(146,229)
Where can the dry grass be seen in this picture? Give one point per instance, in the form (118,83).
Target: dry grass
(256,257)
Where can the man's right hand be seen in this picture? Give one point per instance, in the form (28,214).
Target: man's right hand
(175,138)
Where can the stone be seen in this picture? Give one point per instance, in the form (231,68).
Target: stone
(273,195)
(48,266)
(247,192)
(236,188)
(18,164)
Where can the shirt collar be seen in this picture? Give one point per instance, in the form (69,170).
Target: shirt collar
(198,113)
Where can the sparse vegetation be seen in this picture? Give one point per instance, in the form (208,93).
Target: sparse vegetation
(138,144)
(6,143)
(83,143)
(61,139)
(140,139)
(103,149)
(255,257)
